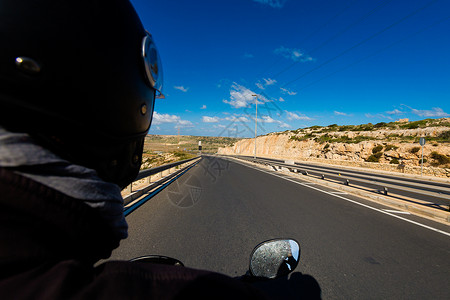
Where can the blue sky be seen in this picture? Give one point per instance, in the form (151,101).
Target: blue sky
(311,63)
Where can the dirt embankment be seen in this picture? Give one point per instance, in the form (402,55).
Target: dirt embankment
(391,147)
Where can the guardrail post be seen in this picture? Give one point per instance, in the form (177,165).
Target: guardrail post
(130,188)
(346,182)
(323,177)
(385,191)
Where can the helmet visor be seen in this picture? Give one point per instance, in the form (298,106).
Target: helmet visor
(152,63)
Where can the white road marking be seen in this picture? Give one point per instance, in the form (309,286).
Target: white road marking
(352,201)
(397,211)
(339,193)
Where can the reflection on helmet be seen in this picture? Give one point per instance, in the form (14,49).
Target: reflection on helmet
(72,74)
(152,62)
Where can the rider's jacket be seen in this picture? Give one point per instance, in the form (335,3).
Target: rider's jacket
(49,243)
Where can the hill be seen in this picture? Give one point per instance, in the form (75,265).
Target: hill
(390,146)
(164,149)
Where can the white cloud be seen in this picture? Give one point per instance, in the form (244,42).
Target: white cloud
(293,54)
(394,112)
(283,125)
(260,86)
(288,92)
(185,123)
(293,116)
(164,118)
(339,113)
(379,116)
(434,112)
(281,99)
(207,119)
(237,118)
(270,120)
(203,106)
(159,119)
(272,3)
(240,96)
(181,88)
(269,81)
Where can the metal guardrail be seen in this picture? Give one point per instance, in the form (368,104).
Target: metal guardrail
(149,172)
(134,200)
(156,170)
(347,179)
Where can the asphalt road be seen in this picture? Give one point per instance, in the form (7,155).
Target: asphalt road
(213,216)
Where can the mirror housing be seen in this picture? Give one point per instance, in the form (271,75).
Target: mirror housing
(274,258)
(158,259)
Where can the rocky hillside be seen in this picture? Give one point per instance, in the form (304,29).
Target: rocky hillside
(389,146)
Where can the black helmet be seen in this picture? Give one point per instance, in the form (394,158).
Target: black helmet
(81,77)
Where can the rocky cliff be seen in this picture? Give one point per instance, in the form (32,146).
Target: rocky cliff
(389,146)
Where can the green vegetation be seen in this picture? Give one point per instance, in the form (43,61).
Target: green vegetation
(394,161)
(182,155)
(382,125)
(346,128)
(390,147)
(414,150)
(416,124)
(326,138)
(440,159)
(172,143)
(302,138)
(164,149)
(377,149)
(444,137)
(385,140)
(375,157)
(324,134)
(154,160)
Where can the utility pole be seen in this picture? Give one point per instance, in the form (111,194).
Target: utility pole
(256,121)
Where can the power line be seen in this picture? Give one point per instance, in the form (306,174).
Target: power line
(312,34)
(375,53)
(362,42)
(383,4)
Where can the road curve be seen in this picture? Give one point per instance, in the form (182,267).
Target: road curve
(213,216)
